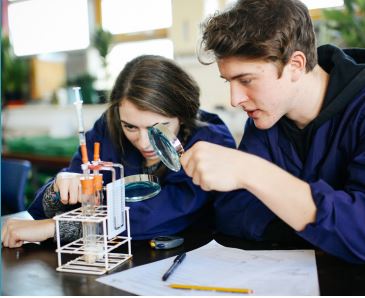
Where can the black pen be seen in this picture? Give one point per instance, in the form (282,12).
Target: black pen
(176,263)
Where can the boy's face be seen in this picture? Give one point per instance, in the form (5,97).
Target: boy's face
(256,87)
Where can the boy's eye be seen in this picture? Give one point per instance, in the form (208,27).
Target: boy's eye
(245,82)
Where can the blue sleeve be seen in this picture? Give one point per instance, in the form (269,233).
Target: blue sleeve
(36,209)
(340,222)
(339,228)
(239,213)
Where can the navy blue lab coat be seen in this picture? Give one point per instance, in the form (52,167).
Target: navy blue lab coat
(334,166)
(180,203)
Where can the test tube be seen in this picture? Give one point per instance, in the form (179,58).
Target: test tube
(97,176)
(88,195)
(99,189)
(91,230)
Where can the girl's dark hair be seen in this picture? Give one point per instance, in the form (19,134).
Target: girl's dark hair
(156,84)
(271,30)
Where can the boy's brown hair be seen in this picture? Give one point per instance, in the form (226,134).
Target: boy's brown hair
(270,30)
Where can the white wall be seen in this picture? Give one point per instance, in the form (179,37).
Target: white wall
(215,94)
(59,122)
(55,121)
(214,91)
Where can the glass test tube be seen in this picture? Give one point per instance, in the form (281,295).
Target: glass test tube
(99,189)
(97,176)
(91,230)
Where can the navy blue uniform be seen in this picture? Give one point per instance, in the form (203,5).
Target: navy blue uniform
(180,203)
(330,157)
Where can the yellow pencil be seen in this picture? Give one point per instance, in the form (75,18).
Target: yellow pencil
(209,288)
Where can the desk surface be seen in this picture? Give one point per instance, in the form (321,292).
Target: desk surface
(31,269)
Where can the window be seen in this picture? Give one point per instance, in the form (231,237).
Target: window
(124,52)
(210,7)
(43,26)
(139,27)
(128,16)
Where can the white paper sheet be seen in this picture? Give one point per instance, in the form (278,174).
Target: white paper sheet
(266,272)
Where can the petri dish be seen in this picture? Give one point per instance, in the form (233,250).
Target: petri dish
(141,187)
(166,145)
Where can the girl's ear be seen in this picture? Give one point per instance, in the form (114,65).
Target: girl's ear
(297,65)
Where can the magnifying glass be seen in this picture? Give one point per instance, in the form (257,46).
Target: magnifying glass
(169,149)
(166,145)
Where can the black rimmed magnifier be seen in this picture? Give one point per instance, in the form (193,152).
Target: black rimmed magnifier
(169,149)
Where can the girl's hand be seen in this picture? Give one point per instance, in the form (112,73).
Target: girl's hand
(15,231)
(68,185)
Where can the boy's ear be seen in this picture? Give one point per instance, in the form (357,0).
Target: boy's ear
(297,63)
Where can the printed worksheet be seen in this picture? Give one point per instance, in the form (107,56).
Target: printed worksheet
(265,272)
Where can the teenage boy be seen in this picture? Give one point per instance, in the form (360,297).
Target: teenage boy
(302,156)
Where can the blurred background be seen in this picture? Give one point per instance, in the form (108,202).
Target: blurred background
(48,46)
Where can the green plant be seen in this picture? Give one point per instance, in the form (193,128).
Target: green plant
(102,41)
(15,73)
(85,81)
(349,22)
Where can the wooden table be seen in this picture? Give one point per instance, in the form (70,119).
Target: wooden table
(31,269)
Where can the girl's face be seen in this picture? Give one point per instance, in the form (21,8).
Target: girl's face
(135,124)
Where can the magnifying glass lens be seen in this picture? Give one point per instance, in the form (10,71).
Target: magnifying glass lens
(166,145)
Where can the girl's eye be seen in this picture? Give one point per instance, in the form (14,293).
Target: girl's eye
(129,127)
